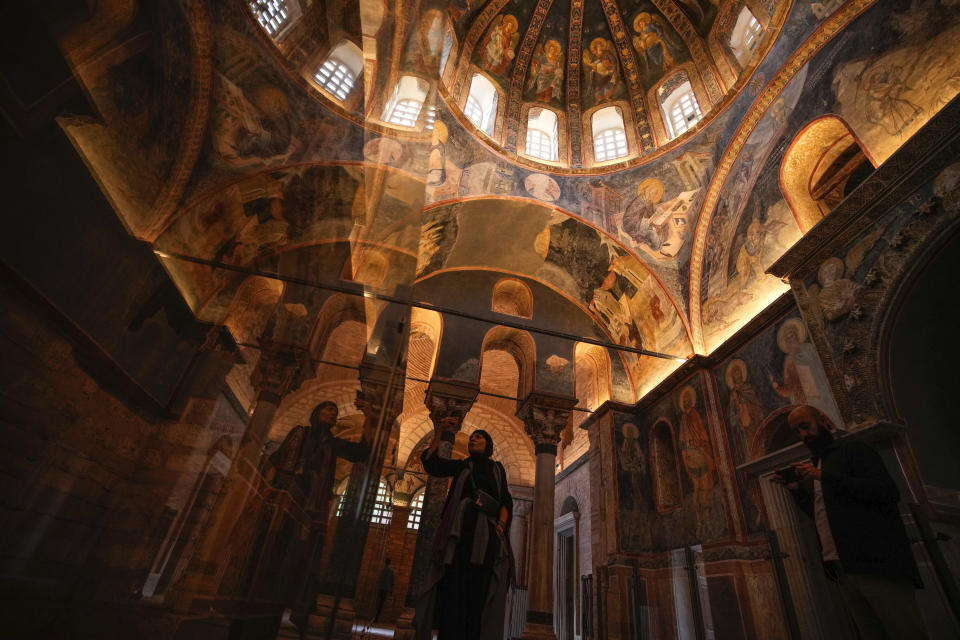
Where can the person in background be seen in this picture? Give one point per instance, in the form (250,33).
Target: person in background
(849,494)
(384,587)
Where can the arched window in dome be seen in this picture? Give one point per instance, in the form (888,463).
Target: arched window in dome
(481,107)
(339,72)
(609,137)
(416,510)
(276,16)
(679,105)
(745,36)
(542,134)
(404,106)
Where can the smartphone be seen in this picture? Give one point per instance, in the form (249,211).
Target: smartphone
(788,474)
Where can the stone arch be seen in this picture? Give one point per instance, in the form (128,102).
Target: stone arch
(569,505)
(774,433)
(512,297)
(296,407)
(340,332)
(519,345)
(511,446)
(823,162)
(251,307)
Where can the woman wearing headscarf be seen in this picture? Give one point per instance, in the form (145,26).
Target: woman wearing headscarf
(465,593)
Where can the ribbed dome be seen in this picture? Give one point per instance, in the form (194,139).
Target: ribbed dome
(575,57)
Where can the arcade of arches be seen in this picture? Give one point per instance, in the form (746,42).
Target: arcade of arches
(624,237)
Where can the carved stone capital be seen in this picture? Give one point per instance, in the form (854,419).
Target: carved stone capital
(544,417)
(383,391)
(446,398)
(282,368)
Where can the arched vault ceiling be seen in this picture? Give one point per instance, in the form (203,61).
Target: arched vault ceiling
(621,293)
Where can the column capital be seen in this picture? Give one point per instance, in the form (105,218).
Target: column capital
(449,397)
(282,368)
(544,416)
(374,382)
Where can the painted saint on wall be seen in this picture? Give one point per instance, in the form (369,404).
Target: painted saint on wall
(697,455)
(499,45)
(545,82)
(601,70)
(651,43)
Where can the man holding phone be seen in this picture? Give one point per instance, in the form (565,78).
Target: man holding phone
(852,499)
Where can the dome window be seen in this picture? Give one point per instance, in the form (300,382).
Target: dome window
(680,108)
(276,16)
(407,101)
(339,72)
(542,134)
(746,35)
(609,137)
(481,107)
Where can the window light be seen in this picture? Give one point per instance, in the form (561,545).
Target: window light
(542,134)
(609,137)
(416,511)
(340,70)
(404,106)
(274,15)
(745,36)
(680,109)
(382,508)
(481,107)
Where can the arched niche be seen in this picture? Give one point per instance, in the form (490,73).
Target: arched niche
(592,386)
(512,297)
(821,166)
(569,506)
(337,310)
(426,330)
(774,434)
(502,345)
(251,307)
(422,346)
(665,467)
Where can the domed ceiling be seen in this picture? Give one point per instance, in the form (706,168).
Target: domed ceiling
(575,56)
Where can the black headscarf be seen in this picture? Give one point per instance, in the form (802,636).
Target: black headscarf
(488,450)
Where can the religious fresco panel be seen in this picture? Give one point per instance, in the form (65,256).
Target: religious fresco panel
(884,98)
(546,75)
(758,385)
(657,46)
(667,482)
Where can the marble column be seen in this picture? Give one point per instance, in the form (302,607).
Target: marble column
(544,416)
(444,398)
(382,391)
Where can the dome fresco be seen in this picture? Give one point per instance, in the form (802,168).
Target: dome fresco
(574,56)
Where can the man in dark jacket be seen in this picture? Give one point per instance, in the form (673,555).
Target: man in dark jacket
(853,502)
